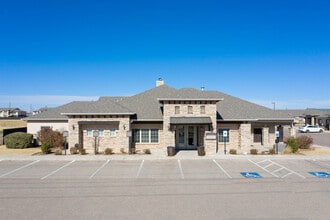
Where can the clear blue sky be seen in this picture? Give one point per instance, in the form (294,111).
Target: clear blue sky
(55,51)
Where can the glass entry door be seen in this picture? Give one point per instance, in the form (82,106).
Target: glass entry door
(186,137)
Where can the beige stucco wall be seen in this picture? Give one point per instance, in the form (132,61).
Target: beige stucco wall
(34,127)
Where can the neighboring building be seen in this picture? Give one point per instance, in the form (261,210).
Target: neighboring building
(310,116)
(12,113)
(35,112)
(165,116)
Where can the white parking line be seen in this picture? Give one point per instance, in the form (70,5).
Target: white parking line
(223,170)
(263,168)
(140,169)
(55,171)
(291,171)
(100,168)
(181,170)
(13,171)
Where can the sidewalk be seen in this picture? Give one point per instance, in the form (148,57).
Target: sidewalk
(158,155)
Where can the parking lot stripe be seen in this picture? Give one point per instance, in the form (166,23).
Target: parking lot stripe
(223,170)
(288,174)
(263,168)
(55,171)
(275,171)
(181,171)
(100,168)
(291,171)
(13,171)
(140,169)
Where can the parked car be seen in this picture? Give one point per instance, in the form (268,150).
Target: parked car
(310,128)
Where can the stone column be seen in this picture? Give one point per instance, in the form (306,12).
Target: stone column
(265,136)
(245,137)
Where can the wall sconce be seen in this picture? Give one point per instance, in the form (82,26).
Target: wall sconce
(124,127)
(73,127)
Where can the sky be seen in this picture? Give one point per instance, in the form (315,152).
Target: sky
(275,53)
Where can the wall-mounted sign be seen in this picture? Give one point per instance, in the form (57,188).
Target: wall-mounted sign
(211,136)
(225,133)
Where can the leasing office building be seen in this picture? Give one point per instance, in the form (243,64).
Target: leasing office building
(165,116)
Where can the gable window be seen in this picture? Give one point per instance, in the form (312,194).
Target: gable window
(190,109)
(202,109)
(145,135)
(177,110)
(221,136)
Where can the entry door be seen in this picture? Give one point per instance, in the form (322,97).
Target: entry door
(180,137)
(186,137)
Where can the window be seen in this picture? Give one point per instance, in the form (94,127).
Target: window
(221,135)
(190,109)
(177,110)
(154,135)
(89,132)
(145,135)
(101,132)
(112,132)
(202,109)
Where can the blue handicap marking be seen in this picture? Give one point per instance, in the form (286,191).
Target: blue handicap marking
(251,175)
(320,174)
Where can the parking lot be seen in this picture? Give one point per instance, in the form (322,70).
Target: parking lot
(163,169)
(211,188)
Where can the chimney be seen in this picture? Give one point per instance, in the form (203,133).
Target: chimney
(159,82)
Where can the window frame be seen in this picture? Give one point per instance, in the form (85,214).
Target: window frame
(146,136)
(222,139)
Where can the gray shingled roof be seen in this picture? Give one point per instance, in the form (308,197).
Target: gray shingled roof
(146,106)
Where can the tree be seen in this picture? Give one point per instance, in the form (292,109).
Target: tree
(54,138)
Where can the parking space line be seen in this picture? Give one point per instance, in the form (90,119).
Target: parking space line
(25,166)
(282,168)
(289,170)
(288,174)
(262,161)
(140,169)
(263,168)
(271,164)
(223,170)
(100,168)
(55,171)
(181,170)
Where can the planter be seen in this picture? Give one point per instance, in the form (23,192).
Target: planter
(170,151)
(201,151)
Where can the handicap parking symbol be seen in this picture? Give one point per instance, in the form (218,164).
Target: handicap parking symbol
(320,174)
(251,175)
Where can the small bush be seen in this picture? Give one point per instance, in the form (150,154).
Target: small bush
(18,140)
(254,151)
(132,150)
(122,150)
(108,151)
(232,151)
(147,151)
(82,151)
(53,138)
(73,150)
(293,144)
(272,151)
(45,148)
(304,142)
(58,152)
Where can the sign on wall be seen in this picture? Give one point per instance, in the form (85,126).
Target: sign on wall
(211,136)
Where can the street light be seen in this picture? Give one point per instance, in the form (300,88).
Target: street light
(95,135)
(65,135)
(273,106)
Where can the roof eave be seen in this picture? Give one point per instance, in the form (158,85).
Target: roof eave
(190,99)
(88,113)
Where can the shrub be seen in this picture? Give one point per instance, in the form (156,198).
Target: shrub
(293,144)
(122,150)
(53,138)
(147,151)
(108,151)
(58,152)
(132,150)
(82,151)
(254,151)
(45,148)
(18,140)
(304,142)
(73,150)
(232,151)
(272,151)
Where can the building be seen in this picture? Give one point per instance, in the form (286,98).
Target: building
(165,116)
(12,113)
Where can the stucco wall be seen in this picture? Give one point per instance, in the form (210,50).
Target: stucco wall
(34,127)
